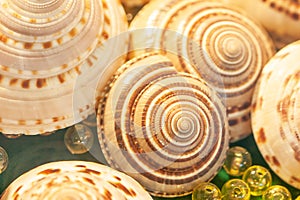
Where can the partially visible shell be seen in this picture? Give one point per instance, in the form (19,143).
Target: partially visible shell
(276,114)
(78,180)
(134,3)
(280,17)
(211,40)
(166,129)
(49,51)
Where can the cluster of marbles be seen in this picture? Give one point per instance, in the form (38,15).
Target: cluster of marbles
(254,181)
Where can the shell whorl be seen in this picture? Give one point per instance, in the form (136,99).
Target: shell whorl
(281,17)
(45,48)
(275,114)
(78,180)
(166,129)
(213,41)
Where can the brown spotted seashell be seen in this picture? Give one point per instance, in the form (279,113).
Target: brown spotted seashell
(211,40)
(280,17)
(49,50)
(76,180)
(168,130)
(275,115)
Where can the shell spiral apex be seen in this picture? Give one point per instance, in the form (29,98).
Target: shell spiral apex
(166,129)
(213,41)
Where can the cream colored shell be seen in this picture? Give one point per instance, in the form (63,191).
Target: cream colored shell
(134,3)
(280,17)
(76,180)
(50,55)
(275,115)
(166,129)
(211,40)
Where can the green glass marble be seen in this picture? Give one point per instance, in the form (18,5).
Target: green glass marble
(258,178)
(235,189)
(238,160)
(206,191)
(277,192)
(3,160)
(79,139)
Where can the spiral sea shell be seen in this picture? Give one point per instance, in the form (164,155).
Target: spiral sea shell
(280,17)
(46,47)
(275,116)
(212,40)
(77,180)
(166,129)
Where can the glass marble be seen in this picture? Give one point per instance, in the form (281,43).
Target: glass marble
(298,198)
(237,161)
(258,178)
(235,189)
(277,192)
(206,191)
(3,160)
(79,139)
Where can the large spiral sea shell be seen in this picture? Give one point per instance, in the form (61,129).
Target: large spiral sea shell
(50,49)
(211,40)
(166,129)
(280,17)
(275,116)
(76,180)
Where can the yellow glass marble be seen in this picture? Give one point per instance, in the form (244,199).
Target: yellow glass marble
(238,160)
(258,178)
(277,192)
(298,198)
(79,139)
(3,160)
(235,189)
(206,191)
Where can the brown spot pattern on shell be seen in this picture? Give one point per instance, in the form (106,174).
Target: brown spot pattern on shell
(69,180)
(280,17)
(46,46)
(278,114)
(211,40)
(166,129)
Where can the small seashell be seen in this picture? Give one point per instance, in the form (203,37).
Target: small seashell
(166,129)
(275,114)
(49,51)
(211,40)
(280,17)
(78,180)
